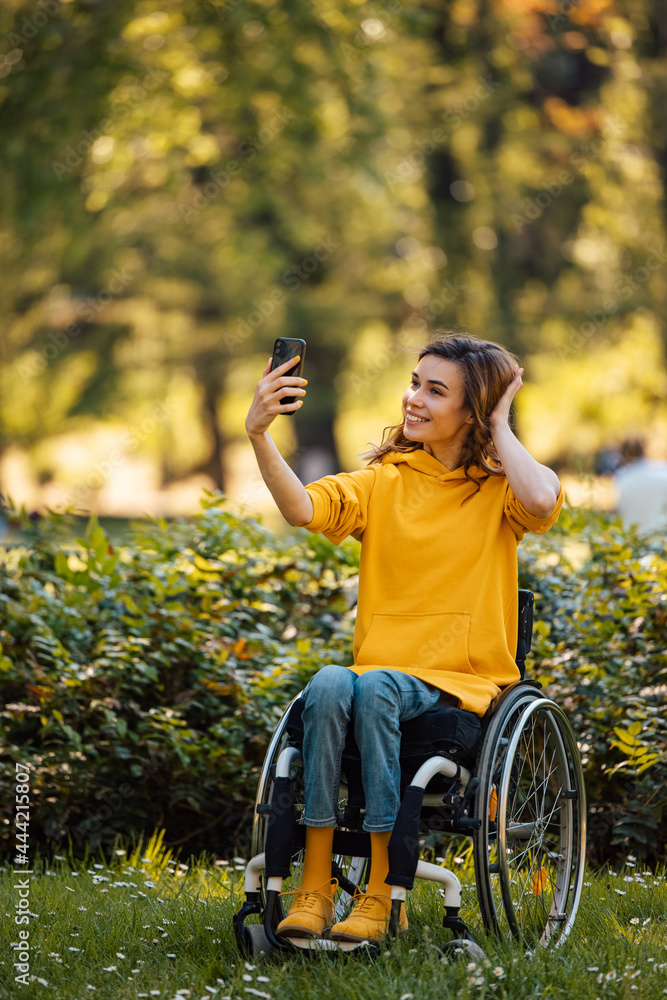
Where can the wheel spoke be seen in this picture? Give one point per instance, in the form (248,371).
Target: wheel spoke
(539,832)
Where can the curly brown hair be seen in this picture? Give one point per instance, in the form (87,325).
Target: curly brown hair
(487,369)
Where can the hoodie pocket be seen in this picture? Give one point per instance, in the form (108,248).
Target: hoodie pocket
(425,642)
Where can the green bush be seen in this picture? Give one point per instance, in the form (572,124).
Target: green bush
(600,646)
(142,685)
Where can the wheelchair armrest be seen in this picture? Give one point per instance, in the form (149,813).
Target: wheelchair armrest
(524,629)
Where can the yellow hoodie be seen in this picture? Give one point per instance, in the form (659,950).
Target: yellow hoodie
(437,580)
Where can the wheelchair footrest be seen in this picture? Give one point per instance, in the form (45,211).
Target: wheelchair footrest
(452,922)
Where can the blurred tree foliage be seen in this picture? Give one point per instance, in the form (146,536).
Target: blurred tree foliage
(184,181)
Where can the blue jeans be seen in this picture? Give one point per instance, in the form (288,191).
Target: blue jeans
(375,702)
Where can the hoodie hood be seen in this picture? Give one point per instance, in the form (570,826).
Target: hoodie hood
(422,461)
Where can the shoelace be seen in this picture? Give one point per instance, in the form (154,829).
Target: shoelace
(362,901)
(309,901)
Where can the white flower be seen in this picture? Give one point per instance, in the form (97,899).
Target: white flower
(499,972)
(634,920)
(407,996)
(249,967)
(247,978)
(593,968)
(111,968)
(119,954)
(620,892)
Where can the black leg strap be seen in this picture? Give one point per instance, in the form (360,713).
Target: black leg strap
(282,830)
(404,842)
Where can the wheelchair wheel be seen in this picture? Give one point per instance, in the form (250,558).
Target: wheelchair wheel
(256,942)
(530,849)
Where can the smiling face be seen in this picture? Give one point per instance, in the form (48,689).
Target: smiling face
(433,409)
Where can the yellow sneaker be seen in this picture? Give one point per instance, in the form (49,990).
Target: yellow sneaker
(310,914)
(369,920)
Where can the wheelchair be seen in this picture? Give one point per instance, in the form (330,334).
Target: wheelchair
(512,782)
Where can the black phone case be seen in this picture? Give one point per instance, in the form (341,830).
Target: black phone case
(294,347)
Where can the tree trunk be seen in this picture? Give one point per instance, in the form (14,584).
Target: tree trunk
(316,454)
(214,466)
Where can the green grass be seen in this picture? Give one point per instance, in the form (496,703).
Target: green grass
(151,928)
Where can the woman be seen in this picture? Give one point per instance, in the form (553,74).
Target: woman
(439,509)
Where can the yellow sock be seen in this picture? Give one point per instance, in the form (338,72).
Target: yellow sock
(379,865)
(317,857)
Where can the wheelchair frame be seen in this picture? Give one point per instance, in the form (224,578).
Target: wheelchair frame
(523,805)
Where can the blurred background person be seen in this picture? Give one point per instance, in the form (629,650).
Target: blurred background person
(641,485)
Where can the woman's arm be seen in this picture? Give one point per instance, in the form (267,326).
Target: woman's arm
(534,485)
(286,488)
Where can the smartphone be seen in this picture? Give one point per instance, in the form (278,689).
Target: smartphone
(284,349)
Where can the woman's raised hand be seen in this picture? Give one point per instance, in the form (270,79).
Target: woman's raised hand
(501,411)
(270,390)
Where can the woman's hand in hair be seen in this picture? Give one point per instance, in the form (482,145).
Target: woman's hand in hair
(271,388)
(535,486)
(500,413)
